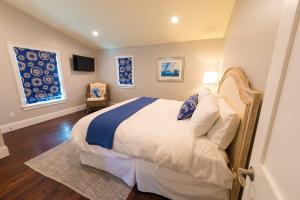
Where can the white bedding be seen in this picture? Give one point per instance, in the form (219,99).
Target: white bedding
(155,135)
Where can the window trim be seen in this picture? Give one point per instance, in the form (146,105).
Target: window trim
(19,83)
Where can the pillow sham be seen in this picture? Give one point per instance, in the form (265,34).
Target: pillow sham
(205,115)
(188,107)
(203,92)
(224,130)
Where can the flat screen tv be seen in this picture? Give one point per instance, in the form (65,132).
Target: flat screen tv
(82,63)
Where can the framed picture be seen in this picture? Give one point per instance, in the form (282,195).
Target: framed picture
(125,71)
(170,69)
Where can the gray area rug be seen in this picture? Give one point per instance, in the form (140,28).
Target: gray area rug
(63,165)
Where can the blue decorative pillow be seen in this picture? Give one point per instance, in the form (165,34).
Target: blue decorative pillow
(95,93)
(188,107)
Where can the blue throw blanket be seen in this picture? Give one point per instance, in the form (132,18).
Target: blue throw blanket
(102,129)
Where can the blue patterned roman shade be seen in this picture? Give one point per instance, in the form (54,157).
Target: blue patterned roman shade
(125,69)
(39,74)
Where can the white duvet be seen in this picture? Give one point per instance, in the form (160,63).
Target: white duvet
(154,134)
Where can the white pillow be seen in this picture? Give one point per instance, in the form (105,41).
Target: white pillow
(203,92)
(224,130)
(205,115)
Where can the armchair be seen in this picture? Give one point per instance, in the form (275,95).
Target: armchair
(97,96)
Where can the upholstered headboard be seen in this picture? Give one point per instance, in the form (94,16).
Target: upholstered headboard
(235,88)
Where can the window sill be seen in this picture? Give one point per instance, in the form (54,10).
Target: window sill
(43,104)
(126,86)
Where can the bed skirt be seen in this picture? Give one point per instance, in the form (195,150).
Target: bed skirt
(158,180)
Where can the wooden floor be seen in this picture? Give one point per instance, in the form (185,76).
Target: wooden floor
(17,181)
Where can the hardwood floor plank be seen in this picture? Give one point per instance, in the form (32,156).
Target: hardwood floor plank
(20,182)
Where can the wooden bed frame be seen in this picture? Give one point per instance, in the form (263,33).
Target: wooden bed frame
(235,89)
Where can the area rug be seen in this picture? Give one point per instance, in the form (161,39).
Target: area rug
(63,165)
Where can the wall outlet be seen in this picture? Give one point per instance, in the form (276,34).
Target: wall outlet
(12,114)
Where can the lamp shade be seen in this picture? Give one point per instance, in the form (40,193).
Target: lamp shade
(210,77)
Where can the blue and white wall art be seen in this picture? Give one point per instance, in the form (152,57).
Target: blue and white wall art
(125,71)
(170,69)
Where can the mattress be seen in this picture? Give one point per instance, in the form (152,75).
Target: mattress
(153,134)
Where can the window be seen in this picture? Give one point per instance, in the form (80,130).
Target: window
(38,76)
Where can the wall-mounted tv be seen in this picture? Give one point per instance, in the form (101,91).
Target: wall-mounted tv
(82,63)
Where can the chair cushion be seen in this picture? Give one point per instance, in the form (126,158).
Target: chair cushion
(95,99)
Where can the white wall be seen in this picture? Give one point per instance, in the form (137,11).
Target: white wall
(250,38)
(21,28)
(199,56)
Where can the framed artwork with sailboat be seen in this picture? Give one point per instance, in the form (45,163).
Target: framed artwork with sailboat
(170,69)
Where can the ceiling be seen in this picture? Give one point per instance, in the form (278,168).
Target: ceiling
(124,23)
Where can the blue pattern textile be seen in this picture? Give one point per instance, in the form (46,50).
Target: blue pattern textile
(102,129)
(125,70)
(96,93)
(39,74)
(188,107)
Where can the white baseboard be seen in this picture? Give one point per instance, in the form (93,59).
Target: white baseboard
(4,152)
(42,118)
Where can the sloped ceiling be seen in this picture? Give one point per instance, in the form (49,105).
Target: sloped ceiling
(123,23)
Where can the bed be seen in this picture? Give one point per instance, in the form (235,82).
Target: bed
(160,155)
